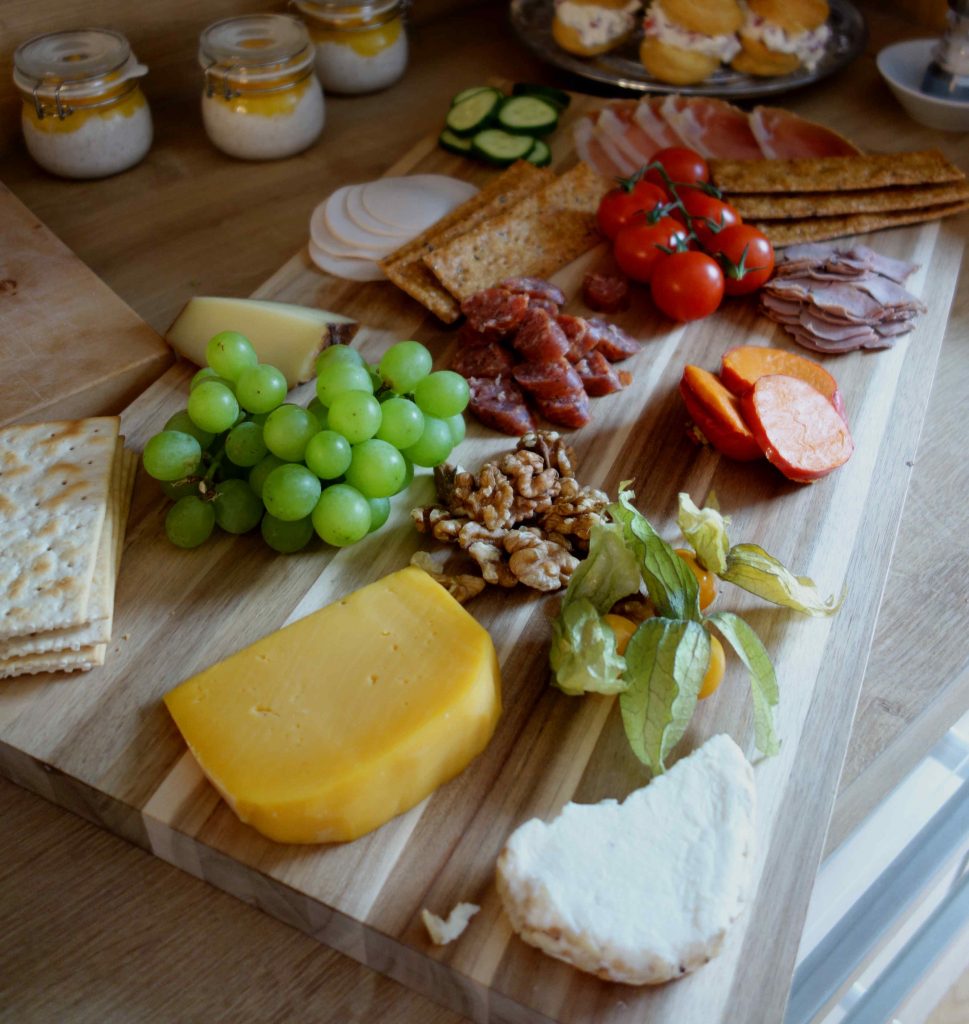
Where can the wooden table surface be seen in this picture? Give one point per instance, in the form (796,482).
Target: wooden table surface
(97,930)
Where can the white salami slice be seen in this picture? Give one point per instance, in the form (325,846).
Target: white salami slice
(323,237)
(346,231)
(358,213)
(414,202)
(349,269)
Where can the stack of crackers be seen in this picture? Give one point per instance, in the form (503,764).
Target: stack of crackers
(65,488)
(812,200)
(525,222)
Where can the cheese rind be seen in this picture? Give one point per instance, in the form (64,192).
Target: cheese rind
(331,726)
(285,336)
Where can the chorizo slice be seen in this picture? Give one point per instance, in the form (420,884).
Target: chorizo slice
(612,341)
(499,403)
(495,310)
(605,293)
(539,338)
(572,411)
(536,287)
(553,379)
(597,375)
(576,329)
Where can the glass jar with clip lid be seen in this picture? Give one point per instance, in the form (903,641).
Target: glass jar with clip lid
(262,100)
(84,114)
(361,45)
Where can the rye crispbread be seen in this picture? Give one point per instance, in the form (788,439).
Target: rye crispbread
(547,229)
(771,206)
(834,173)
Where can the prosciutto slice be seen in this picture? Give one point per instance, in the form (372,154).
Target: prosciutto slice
(714,128)
(782,135)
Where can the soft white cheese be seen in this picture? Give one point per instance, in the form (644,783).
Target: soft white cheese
(342,69)
(594,25)
(807,46)
(658,26)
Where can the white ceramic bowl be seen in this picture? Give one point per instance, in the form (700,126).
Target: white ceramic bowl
(903,67)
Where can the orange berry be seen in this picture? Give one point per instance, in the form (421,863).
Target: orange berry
(706,579)
(715,669)
(623,629)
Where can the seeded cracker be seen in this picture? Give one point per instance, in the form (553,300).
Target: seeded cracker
(536,237)
(770,206)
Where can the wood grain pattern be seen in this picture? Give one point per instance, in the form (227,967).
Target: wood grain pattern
(364,899)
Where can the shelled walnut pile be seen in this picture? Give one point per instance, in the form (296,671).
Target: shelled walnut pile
(522,518)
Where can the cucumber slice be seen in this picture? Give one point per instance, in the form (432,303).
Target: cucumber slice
(466,94)
(501,147)
(529,115)
(539,155)
(454,143)
(474,113)
(556,97)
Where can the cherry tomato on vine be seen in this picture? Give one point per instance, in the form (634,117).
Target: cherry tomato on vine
(637,246)
(680,164)
(687,285)
(748,258)
(708,216)
(619,205)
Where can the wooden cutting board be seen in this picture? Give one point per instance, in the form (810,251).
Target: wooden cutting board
(105,747)
(69,347)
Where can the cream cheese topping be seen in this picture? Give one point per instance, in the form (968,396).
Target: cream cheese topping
(595,25)
(659,26)
(807,46)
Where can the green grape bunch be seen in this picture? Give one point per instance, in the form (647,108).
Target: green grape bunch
(240,457)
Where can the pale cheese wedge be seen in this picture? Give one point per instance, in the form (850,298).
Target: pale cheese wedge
(643,891)
(285,336)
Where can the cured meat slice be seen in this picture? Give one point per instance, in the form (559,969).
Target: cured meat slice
(576,329)
(782,135)
(540,338)
(554,379)
(649,117)
(500,404)
(482,359)
(605,293)
(552,308)
(535,288)
(597,375)
(895,270)
(714,128)
(495,310)
(598,151)
(612,341)
(571,412)
(616,123)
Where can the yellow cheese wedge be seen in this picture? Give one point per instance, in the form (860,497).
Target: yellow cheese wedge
(329,727)
(288,337)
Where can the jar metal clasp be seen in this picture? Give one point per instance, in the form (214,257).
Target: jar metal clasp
(62,109)
(211,79)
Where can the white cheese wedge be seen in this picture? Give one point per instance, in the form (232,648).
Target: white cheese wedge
(288,337)
(643,891)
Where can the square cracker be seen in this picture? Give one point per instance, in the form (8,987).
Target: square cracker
(54,661)
(546,230)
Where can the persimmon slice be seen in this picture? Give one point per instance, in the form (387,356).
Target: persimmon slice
(743,366)
(717,414)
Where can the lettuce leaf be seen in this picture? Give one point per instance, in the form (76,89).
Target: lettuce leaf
(665,664)
(608,573)
(763,682)
(672,587)
(583,653)
(752,569)
(706,530)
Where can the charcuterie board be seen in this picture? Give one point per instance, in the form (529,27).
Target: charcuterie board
(104,746)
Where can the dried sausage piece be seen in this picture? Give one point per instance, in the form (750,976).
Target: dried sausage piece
(500,404)
(540,338)
(597,375)
(612,341)
(495,310)
(537,287)
(576,329)
(605,293)
(553,379)
(547,304)
(487,359)
(572,412)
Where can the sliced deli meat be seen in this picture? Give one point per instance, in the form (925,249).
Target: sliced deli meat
(714,128)
(782,135)
(414,202)
(499,403)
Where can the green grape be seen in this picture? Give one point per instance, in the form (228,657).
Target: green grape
(237,508)
(328,454)
(434,444)
(228,470)
(229,353)
(176,489)
(342,515)
(262,469)
(213,406)
(261,388)
(401,422)
(182,422)
(244,444)
(442,394)
(379,513)
(290,492)
(457,426)
(377,469)
(286,537)
(338,354)
(376,380)
(333,380)
(318,410)
(190,522)
(287,431)
(207,373)
(408,474)
(259,418)
(355,415)
(403,365)
(171,455)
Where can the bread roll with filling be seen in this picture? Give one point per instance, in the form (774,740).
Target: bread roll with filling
(686,41)
(781,36)
(587,28)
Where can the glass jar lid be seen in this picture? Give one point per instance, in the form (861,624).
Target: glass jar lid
(63,66)
(254,52)
(351,14)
